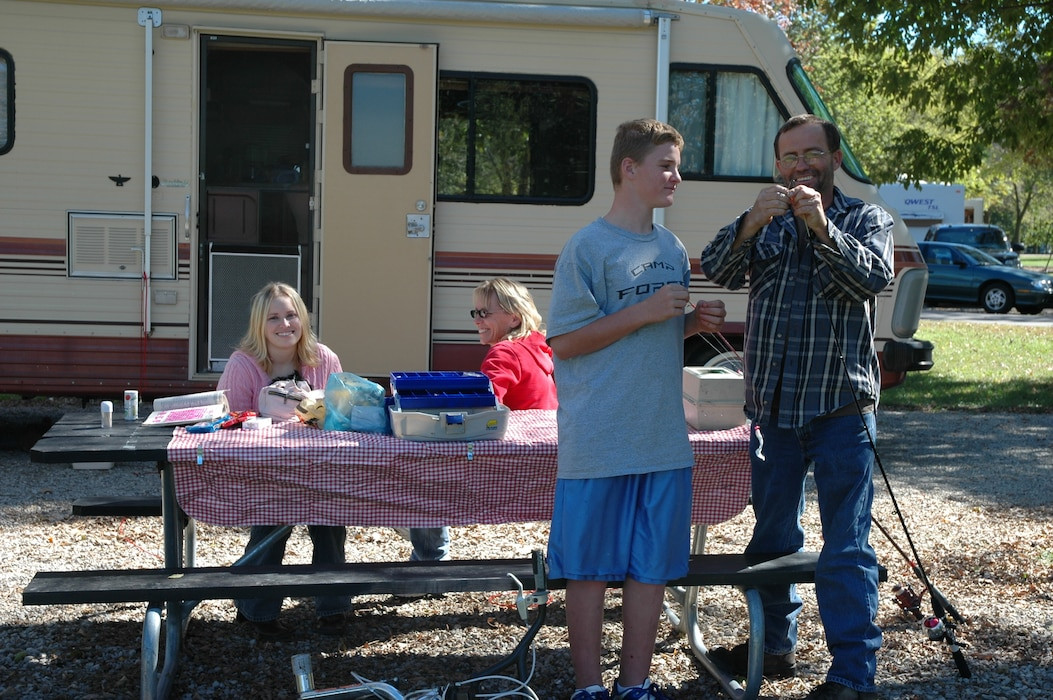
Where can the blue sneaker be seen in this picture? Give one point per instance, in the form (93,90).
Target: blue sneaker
(649,691)
(582,694)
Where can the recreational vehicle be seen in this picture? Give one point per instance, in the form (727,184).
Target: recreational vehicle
(158,164)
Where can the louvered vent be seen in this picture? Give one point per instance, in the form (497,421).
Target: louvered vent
(104,244)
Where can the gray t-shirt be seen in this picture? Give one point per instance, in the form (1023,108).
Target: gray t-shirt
(620,408)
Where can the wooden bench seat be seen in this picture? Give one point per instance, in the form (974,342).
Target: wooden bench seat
(175,586)
(118,506)
(410,578)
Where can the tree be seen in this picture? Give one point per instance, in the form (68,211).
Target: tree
(894,139)
(992,81)
(1017,192)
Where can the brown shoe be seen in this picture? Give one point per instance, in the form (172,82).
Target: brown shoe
(735,661)
(334,625)
(267,630)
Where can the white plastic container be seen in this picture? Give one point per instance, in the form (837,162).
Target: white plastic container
(713,398)
(466,425)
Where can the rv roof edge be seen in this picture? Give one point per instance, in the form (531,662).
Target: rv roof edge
(606,14)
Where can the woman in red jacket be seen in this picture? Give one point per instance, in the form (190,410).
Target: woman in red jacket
(519,362)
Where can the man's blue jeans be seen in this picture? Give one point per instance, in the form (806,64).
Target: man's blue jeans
(839,452)
(430,543)
(328,548)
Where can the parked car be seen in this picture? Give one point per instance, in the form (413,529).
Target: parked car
(990,239)
(961,274)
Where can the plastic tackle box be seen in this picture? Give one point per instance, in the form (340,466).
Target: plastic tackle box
(471,424)
(414,391)
(445,406)
(713,398)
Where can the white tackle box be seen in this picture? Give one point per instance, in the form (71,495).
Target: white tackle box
(465,424)
(713,398)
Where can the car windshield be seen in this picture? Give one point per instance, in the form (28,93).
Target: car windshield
(979,257)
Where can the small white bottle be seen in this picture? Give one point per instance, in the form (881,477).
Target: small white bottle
(106,407)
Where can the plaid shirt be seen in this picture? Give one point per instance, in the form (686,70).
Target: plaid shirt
(806,311)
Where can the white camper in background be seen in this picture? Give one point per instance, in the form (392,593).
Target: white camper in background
(925,205)
(385,157)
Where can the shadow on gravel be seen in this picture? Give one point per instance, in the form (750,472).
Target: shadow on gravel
(24,421)
(1001,459)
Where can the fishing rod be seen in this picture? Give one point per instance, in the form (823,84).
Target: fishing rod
(942,624)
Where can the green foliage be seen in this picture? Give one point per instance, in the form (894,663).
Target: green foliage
(993,83)
(1018,194)
(981,367)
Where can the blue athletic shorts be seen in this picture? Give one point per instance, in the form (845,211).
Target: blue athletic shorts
(636,526)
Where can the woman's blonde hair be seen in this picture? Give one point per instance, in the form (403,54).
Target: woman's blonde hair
(516,300)
(254,342)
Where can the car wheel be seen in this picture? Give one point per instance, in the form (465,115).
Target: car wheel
(996,298)
(713,354)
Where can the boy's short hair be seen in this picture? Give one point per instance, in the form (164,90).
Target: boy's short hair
(635,139)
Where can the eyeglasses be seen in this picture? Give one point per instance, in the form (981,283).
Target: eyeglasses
(809,157)
(483,313)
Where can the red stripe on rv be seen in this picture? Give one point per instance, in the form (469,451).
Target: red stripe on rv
(10,245)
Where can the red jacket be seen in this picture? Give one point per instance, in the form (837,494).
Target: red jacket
(521,372)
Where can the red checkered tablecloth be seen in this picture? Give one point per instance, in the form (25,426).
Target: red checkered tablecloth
(291,473)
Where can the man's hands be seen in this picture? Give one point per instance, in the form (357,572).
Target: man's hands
(803,201)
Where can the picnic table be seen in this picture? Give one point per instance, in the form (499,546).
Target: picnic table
(295,474)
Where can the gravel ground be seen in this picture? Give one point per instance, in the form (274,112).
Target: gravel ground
(974,490)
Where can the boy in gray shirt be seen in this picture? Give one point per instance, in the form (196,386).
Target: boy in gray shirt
(623,493)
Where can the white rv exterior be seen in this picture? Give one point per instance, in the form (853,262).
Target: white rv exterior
(384,155)
(926,205)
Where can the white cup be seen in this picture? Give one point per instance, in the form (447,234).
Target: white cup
(106,410)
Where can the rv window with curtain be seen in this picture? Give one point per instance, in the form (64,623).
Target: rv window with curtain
(728,118)
(7,102)
(516,139)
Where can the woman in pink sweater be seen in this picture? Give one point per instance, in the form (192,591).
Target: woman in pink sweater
(280,344)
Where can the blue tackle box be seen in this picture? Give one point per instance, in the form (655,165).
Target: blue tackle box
(414,391)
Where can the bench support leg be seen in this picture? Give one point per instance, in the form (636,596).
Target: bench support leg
(180,546)
(688,623)
(150,645)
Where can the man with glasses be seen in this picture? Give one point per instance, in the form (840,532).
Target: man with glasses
(815,261)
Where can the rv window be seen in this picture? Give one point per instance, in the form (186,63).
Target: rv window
(7,102)
(724,116)
(520,139)
(377,139)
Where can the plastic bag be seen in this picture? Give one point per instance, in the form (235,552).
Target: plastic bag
(354,403)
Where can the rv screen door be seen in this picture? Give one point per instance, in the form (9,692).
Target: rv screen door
(377,194)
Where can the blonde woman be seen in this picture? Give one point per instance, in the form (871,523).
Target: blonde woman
(519,362)
(280,344)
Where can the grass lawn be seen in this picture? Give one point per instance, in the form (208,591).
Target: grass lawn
(1037,261)
(980,367)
